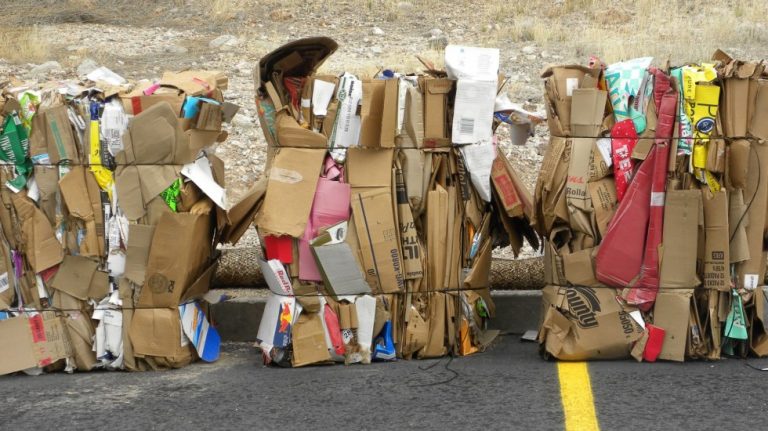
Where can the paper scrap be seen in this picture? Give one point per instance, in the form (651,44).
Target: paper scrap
(200,173)
(322,91)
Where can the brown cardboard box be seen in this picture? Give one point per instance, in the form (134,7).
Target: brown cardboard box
(682,210)
(377,234)
(739,153)
(588,106)
(389,113)
(371,113)
(752,272)
(716,259)
(603,194)
(505,187)
(579,267)
(582,323)
(156,332)
(83,198)
(551,207)
(291,134)
(74,276)
(42,248)
(37,341)
(61,141)
(308,338)
(369,168)
(559,85)
(758,125)
(436,92)
(294,173)
(671,312)
(577,194)
(413,121)
(180,252)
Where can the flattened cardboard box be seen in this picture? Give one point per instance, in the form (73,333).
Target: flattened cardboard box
(582,323)
(294,173)
(180,252)
(682,212)
(436,92)
(36,341)
(377,233)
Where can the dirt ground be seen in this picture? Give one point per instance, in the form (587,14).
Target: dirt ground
(141,39)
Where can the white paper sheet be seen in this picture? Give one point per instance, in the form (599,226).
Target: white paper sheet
(105,75)
(473,111)
(322,92)
(479,161)
(466,62)
(199,172)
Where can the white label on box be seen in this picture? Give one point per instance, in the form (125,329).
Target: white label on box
(604,146)
(657,199)
(4,284)
(570,85)
(751,281)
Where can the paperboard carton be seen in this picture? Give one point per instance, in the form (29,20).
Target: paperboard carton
(682,218)
(716,259)
(377,233)
(436,93)
(38,340)
(671,312)
(582,323)
(294,172)
(179,253)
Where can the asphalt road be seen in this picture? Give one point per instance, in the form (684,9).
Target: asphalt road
(508,387)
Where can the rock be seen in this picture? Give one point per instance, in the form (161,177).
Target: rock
(376,31)
(87,66)
(175,49)
(223,40)
(544,54)
(405,6)
(242,121)
(47,67)
(377,50)
(439,42)
(529,50)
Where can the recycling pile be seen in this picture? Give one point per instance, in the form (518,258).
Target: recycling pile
(112,204)
(652,200)
(383,199)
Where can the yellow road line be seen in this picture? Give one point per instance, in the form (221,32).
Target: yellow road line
(576,396)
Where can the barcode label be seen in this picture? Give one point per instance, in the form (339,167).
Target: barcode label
(467,126)
(4,284)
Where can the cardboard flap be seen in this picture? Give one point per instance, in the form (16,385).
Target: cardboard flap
(439,86)
(240,216)
(74,276)
(180,251)
(294,173)
(369,168)
(201,286)
(291,134)
(671,313)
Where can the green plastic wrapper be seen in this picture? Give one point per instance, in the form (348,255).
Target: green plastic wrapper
(171,194)
(14,149)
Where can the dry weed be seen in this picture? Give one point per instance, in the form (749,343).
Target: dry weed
(24,44)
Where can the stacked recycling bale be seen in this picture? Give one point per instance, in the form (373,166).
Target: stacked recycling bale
(111,209)
(378,219)
(652,200)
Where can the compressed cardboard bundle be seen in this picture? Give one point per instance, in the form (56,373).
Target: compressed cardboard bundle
(652,201)
(112,206)
(384,199)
